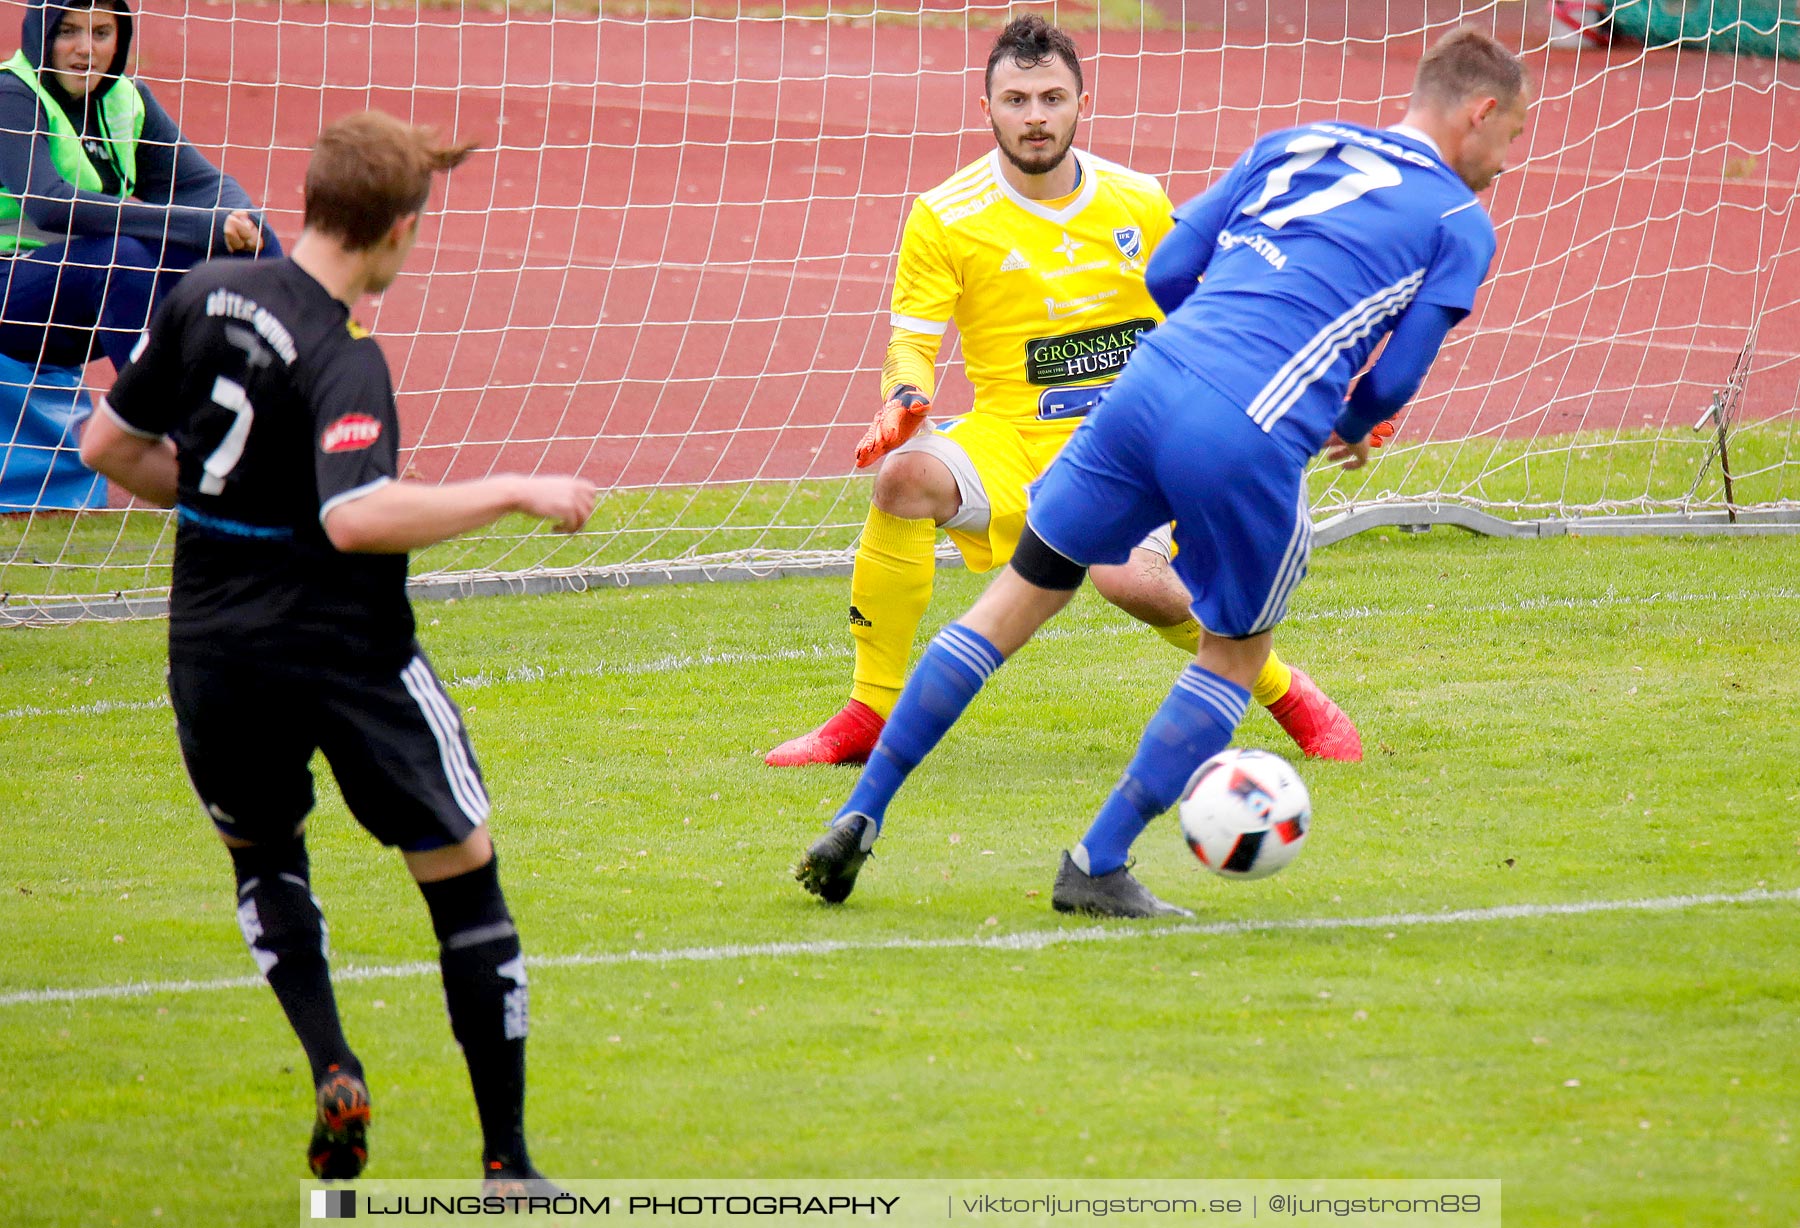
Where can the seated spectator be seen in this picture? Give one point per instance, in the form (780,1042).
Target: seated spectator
(103,203)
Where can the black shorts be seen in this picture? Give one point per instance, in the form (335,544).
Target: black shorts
(395,742)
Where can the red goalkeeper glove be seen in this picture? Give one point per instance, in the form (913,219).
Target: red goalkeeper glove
(901,415)
(1383,431)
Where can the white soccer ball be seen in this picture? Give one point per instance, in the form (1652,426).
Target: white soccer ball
(1245,813)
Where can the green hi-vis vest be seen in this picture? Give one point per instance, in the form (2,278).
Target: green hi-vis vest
(122,117)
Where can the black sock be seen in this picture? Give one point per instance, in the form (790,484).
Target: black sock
(281,922)
(484,987)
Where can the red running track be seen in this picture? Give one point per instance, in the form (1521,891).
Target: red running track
(674,268)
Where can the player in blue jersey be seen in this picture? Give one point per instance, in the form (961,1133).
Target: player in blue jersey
(1320,241)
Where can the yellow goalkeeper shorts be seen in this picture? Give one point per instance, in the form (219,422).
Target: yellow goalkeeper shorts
(993,461)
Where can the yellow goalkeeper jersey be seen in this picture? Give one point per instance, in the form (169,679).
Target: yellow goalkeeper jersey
(1048,297)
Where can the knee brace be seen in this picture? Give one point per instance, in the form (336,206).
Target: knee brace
(1036,562)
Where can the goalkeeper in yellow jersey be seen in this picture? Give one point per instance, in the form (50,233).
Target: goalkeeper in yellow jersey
(1037,251)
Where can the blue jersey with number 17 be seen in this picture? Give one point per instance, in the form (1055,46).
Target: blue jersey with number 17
(1320,237)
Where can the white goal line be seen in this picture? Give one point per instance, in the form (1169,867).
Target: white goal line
(1026,940)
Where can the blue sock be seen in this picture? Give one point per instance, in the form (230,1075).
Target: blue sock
(1195,723)
(954,666)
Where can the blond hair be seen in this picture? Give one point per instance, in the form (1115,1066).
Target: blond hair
(1464,63)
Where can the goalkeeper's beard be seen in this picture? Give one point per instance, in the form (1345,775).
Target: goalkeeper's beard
(1034,164)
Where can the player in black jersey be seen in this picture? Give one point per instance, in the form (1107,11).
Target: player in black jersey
(259,410)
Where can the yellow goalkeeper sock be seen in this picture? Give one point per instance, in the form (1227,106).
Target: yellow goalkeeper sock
(1273,682)
(1185,636)
(890,586)
(1270,685)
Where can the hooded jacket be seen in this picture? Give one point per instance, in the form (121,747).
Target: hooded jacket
(180,197)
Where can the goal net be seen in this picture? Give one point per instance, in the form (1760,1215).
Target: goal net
(671,272)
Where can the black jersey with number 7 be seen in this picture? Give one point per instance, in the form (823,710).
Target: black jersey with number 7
(280,408)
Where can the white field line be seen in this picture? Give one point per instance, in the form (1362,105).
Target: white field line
(677,662)
(101,708)
(1027,940)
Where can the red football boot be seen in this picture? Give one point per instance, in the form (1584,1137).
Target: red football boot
(848,737)
(1317,725)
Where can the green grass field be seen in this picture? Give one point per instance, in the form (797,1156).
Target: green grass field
(1562,723)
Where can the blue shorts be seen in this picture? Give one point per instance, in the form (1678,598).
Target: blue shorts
(1165,445)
